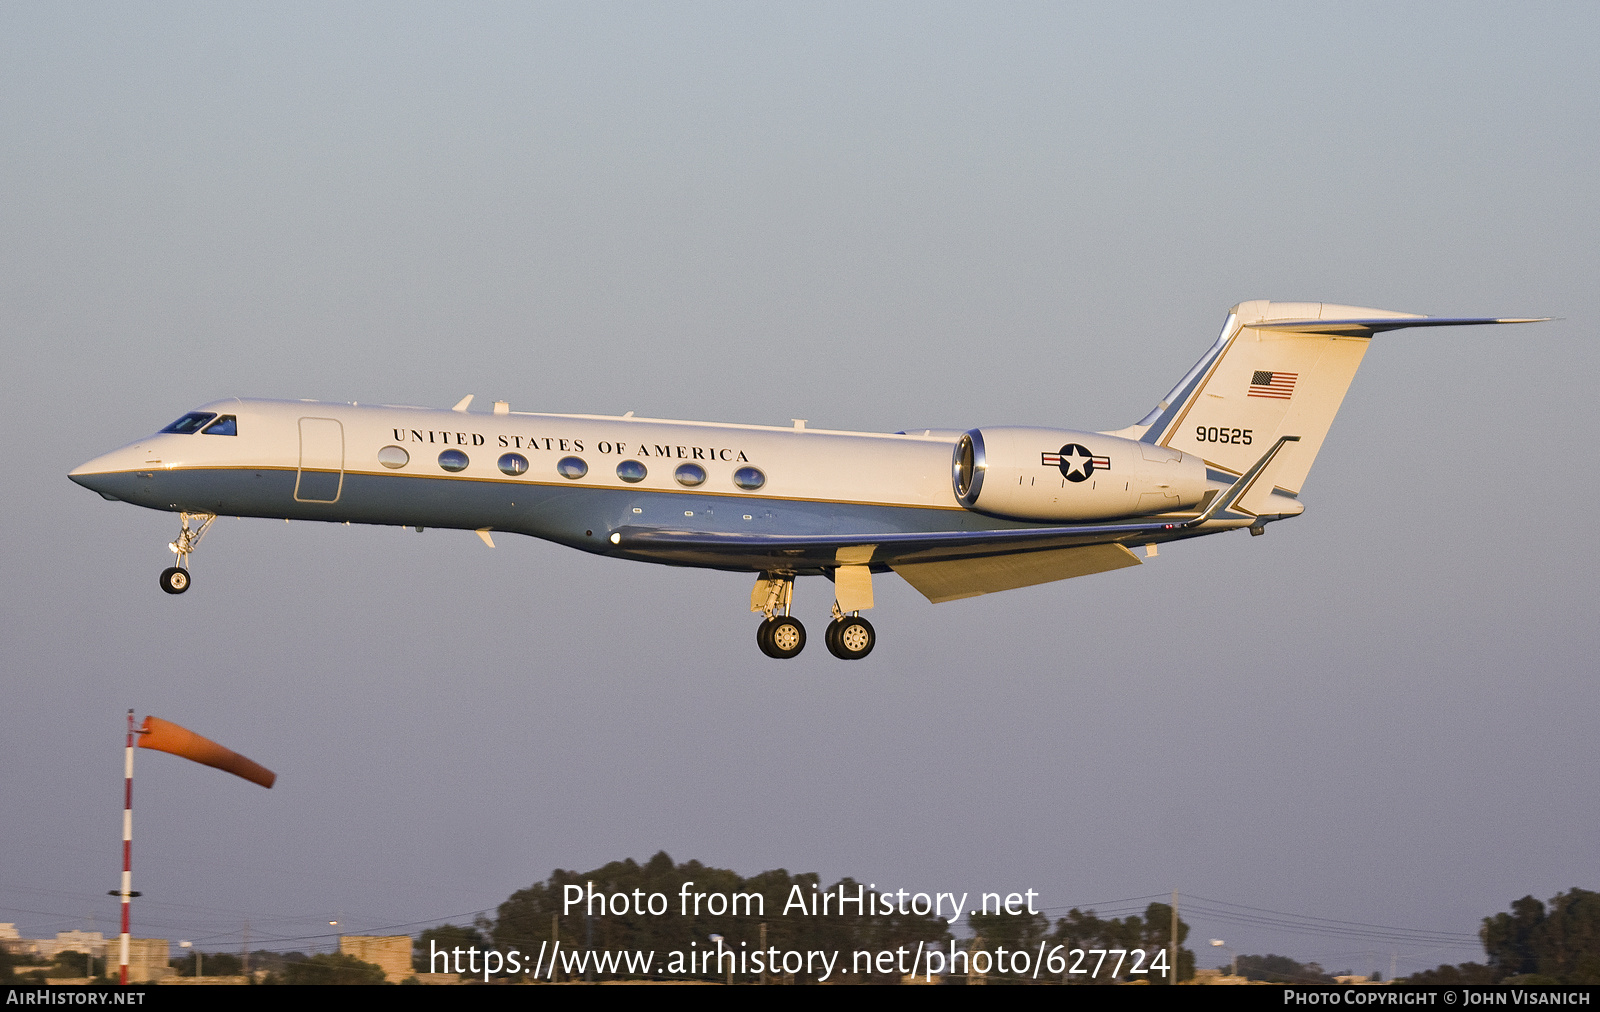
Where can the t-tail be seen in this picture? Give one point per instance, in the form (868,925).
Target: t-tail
(1278,369)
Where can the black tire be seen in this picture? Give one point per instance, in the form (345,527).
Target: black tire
(764,637)
(786,637)
(851,639)
(831,637)
(175,580)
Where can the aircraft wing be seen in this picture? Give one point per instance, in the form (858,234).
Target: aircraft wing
(807,551)
(789,551)
(943,565)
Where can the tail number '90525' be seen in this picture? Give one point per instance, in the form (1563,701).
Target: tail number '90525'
(1213,434)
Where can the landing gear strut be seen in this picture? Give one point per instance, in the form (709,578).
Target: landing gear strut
(780,635)
(175,579)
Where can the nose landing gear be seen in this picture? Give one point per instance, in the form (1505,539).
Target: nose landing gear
(176,579)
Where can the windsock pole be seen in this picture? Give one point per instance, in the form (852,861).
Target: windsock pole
(165,736)
(127,847)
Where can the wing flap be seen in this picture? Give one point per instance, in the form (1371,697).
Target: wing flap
(954,579)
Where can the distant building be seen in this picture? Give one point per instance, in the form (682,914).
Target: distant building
(14,943)
(147,960)
(391,952)
(147,957)
(92,943)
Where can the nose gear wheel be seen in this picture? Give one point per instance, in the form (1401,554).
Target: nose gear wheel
(176,579)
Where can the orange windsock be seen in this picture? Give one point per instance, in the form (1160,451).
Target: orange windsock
(165,736)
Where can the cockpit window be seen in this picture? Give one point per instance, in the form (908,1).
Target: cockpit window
(227,425)
(190,423)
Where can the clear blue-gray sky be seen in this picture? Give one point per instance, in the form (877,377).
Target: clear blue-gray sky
(872,216)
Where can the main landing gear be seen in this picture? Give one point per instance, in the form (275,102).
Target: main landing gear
(850,637)
(780,635)
(175,579)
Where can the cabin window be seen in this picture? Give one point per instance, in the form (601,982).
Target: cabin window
(513,464)
(453,460)
(393,457)
(749,478)
(572,468)
(190,423)
(690,475)
(227,425)
(631,471)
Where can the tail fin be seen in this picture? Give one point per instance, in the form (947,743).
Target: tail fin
(1278,369)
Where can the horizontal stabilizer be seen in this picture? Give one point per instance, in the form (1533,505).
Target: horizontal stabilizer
(1368,327)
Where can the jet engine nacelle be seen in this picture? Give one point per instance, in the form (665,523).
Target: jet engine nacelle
(1061,475)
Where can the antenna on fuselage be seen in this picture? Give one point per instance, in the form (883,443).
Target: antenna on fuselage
(461,405)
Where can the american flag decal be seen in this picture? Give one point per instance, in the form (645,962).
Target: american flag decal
(1279,385)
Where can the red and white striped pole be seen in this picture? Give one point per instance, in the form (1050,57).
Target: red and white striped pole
(127,847)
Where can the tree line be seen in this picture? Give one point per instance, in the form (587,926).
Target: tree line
(1534,944)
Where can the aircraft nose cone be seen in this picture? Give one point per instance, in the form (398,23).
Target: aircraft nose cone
(102,474)
(93,479)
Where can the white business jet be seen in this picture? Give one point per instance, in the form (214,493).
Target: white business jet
(956,514)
